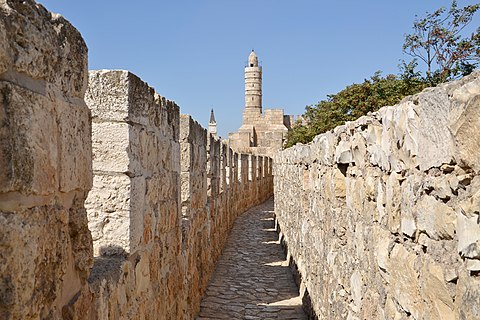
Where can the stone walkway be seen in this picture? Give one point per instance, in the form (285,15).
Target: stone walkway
(252,279)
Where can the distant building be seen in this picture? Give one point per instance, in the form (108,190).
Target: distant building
(260,133)
(212,125)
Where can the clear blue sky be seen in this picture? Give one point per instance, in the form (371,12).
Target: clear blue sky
(194,51)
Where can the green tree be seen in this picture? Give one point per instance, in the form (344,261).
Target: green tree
(438,40)
(355,101)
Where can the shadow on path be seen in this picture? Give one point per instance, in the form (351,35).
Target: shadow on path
(252,279)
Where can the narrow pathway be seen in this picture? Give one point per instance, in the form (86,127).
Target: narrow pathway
(252,279)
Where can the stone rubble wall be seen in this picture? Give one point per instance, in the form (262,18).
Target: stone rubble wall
(45,162)
(381,215)
(142,244)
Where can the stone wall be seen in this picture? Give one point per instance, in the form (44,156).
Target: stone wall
(195,215)
(384,219)
(133,207)
(163,195)
(158,218)
(45,162)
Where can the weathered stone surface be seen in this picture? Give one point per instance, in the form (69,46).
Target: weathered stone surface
(45,160)
(36,254)
(44,48)
(435,218)
(29,145)
(159,197)
(468,232)
(389,204)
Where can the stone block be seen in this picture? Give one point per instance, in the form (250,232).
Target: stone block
(468,233)
(143,108)
(33,47)
(36,265)
(467,298)
(433,110)
(439,303)
(435,218)
(466,135)
(108,205)
(343,153)
(107,95)
(404,281)
(28,141)
(75,147)
(110,144)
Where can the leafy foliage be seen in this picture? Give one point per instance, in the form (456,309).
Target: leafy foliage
(355,101)
(438,41)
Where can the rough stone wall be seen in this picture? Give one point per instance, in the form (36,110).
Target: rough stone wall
(384,219)
(158,209)
(45,162)
(133,207)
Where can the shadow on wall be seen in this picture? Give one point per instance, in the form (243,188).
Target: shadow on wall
(306,300)
(108,264)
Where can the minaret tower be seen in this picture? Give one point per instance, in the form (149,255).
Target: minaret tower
(212,125)
(253,87)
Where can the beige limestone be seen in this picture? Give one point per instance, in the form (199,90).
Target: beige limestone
(45,160)
(159,198)
(383,223)
(260,133)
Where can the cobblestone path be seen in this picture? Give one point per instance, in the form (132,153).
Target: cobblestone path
(252,279)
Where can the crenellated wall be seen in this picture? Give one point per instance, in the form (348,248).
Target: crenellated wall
(381,215)
(158,215)
(133,207)
(162,195)
(210,203)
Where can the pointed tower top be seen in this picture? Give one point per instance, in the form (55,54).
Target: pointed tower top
(253,59)
(212,117)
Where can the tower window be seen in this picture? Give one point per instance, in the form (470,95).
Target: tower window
(251,64)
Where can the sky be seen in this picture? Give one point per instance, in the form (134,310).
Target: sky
(194,51)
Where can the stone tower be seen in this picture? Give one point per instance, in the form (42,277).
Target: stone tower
(253,88)
(262,131)
(212,125)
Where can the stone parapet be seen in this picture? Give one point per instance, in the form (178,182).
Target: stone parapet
(380,215)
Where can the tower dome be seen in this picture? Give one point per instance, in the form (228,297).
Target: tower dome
(253,59)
